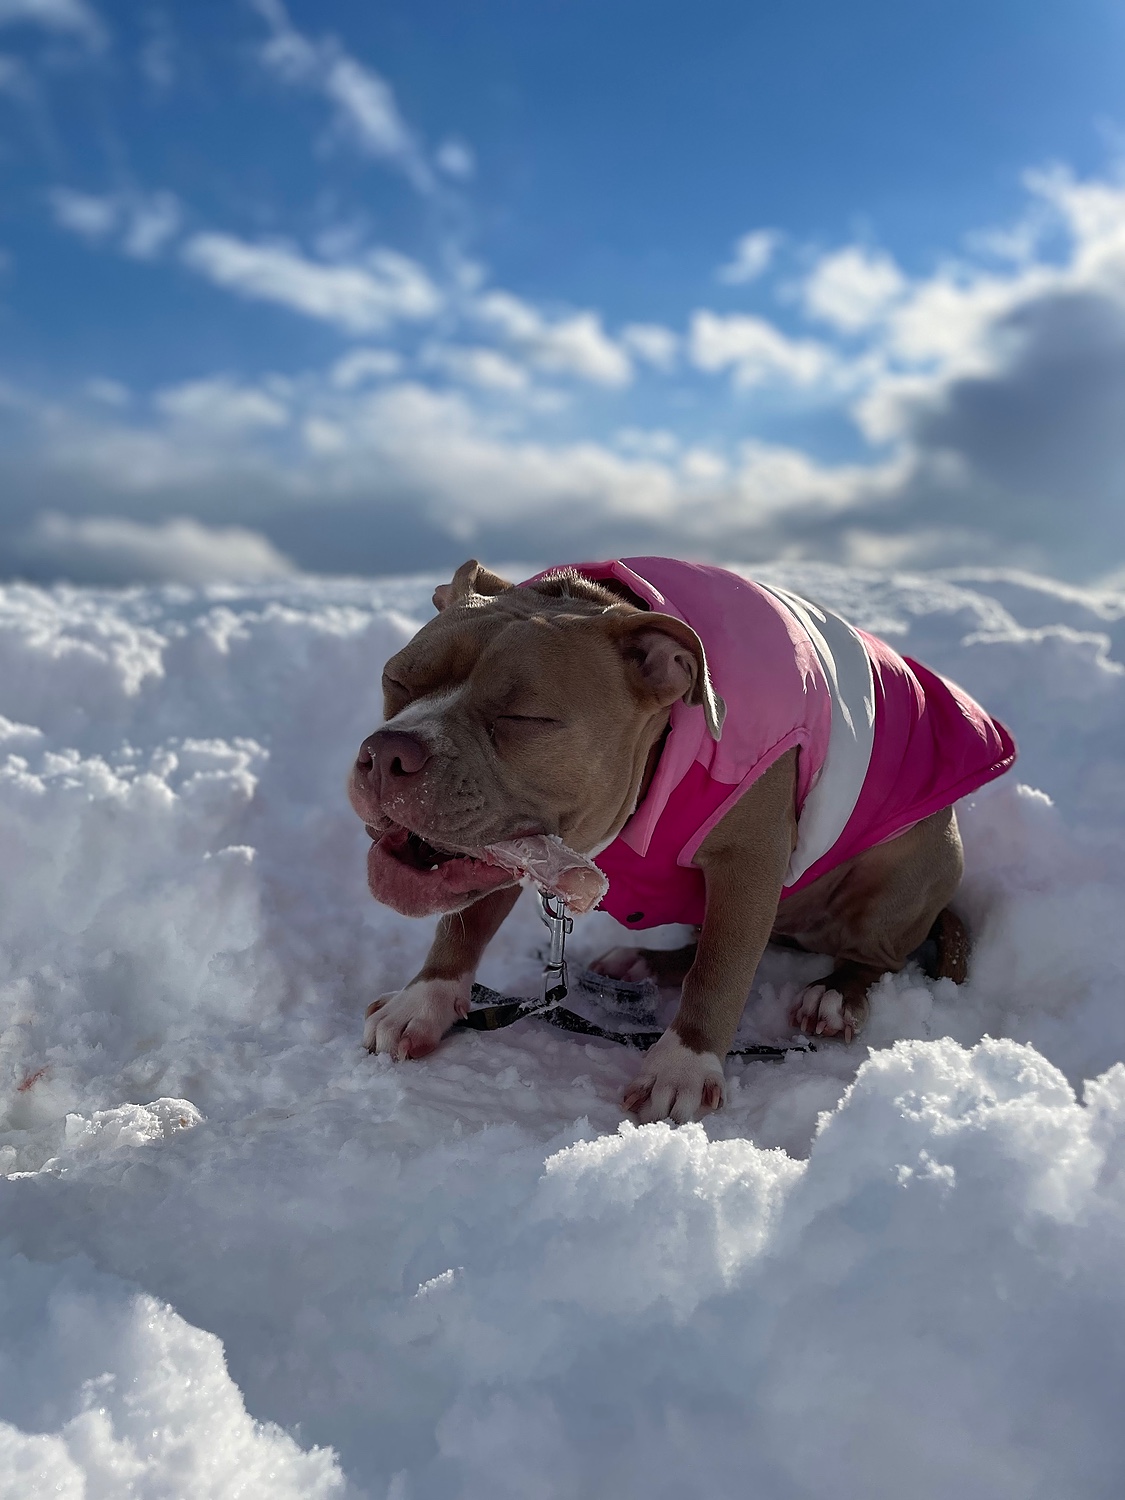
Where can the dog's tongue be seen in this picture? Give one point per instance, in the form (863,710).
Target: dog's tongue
(552,866)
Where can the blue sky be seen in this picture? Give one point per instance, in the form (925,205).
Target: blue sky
(363,288)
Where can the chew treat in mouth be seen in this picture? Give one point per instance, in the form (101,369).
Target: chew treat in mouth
(554,868)
(419,878)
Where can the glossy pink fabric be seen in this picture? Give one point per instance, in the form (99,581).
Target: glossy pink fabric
(933,743)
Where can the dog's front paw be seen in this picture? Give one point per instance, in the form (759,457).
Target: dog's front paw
(675,1083)
(411,1022)
(824,1010)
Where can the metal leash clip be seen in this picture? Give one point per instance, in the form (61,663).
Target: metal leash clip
(555,983)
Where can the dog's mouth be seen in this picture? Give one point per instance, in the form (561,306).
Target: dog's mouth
(413,850)
(419,878)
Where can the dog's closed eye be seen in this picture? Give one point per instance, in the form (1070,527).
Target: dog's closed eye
(520,725)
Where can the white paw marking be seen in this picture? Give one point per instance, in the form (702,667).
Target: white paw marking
(413,1021)
(675,1083)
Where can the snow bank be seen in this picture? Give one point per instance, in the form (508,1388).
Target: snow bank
(883,1270)
(107,1393)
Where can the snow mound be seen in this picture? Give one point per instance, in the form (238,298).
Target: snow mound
(930,1305)
(105,1393)
(241,1257)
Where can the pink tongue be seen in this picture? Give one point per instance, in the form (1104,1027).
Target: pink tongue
(554,868)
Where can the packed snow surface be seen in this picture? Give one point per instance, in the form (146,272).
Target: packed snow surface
(242,1258)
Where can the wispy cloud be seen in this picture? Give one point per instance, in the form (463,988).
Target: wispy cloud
(755,351)
(358,298)
(363,101)
(141,224)
(652,342)
(752,256)
(472,365)
(457,158)
(219,405)
(362,365)
(158,56)
(575,345)
(75,17)
(92,216)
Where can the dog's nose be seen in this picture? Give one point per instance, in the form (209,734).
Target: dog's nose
(389,753)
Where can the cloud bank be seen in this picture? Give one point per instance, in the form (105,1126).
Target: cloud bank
(981,399)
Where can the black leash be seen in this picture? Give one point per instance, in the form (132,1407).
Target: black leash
(493,1011)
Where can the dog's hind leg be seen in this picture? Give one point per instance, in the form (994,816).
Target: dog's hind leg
(668,966)
(871,915)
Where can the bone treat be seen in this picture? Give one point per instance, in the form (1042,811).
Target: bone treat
(559,871)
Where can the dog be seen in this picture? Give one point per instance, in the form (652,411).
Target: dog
(732,756)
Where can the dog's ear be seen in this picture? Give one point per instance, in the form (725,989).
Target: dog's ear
(667,659)
(470,578)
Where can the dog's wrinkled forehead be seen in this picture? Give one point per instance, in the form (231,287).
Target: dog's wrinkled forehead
(445,652)
(475,659)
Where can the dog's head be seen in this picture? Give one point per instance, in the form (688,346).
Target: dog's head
(516,711)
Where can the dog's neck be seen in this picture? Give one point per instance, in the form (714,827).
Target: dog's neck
(651,765)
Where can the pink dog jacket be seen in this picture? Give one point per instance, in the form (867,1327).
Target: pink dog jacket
(883,741)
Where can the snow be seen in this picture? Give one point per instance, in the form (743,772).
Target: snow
(242,1258)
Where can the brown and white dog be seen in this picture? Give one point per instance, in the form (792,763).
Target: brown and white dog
(529,711)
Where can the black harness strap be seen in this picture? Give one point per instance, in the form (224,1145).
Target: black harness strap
(493,1012)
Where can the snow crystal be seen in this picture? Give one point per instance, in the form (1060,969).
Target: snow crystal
(240,1257)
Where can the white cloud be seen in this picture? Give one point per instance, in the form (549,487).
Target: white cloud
(367,103)
(999,395)
(74,16)
(943,321)
(756,351)
(473,365)
(86,214)
(652,342)
(364,102)
(752,256)
(852,288)
(220,405)
(142,222)
(365,364)
(651,442)
(152,222)
(457,158)
(704,466)
(416,458)
(435,447)
(111,550)
(469,473)
(358,298)
(575,345)
(964,323)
